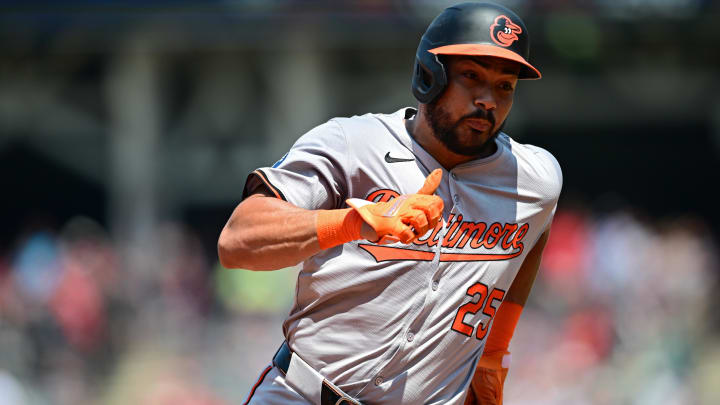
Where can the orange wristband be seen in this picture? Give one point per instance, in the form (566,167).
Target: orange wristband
(503,327)
(494,360)
(335,227)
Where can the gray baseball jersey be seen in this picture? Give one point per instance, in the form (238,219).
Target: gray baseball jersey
(392,324)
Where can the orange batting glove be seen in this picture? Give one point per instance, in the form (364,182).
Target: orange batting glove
(406,217)
(486,387)
(401,219)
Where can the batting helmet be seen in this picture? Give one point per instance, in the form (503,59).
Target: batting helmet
(481,29)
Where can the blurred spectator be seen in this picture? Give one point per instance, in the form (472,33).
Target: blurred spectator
(634,316)
(38,267)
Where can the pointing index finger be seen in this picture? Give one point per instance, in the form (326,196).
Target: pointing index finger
(431,182)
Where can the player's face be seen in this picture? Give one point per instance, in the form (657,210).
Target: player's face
(471,111)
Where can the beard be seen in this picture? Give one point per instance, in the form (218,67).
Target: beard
(446,131)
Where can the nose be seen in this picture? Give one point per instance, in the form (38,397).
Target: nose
(485,98)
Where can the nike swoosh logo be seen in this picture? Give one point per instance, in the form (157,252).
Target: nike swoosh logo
(391,159)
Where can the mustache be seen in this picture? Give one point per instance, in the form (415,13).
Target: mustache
(480,114)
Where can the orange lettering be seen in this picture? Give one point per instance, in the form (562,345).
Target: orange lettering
(492,232)
(519,235)
(453,227)
(432,239)
(471,228)
(507,232)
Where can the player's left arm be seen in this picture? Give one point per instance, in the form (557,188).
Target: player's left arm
(486,387)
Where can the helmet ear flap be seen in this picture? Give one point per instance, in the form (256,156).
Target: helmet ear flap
(423,76)
(429,77)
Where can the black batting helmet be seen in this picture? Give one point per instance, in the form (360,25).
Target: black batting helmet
(482,29)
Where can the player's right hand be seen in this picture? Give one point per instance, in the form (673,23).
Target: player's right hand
(406,217)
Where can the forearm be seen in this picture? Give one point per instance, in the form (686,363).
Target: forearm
(266,233)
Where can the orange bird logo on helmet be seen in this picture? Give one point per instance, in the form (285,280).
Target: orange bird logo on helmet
(503,31)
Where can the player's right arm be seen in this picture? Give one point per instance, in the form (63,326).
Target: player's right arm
(267,233)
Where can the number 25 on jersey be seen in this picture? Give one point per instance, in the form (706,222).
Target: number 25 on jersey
(489,304)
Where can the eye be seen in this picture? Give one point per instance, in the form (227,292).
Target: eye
(469,74)
(506,86)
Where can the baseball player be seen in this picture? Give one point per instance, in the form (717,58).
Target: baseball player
(420,232)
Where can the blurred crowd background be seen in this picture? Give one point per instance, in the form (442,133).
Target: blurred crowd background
(127,129)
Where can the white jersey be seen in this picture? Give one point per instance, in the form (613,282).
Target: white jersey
(406,324)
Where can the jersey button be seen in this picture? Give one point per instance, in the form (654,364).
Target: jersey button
(456,198)
(435,285)
(378,380)
(410,337)
(454,176)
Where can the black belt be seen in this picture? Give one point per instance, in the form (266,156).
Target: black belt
(328,395)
